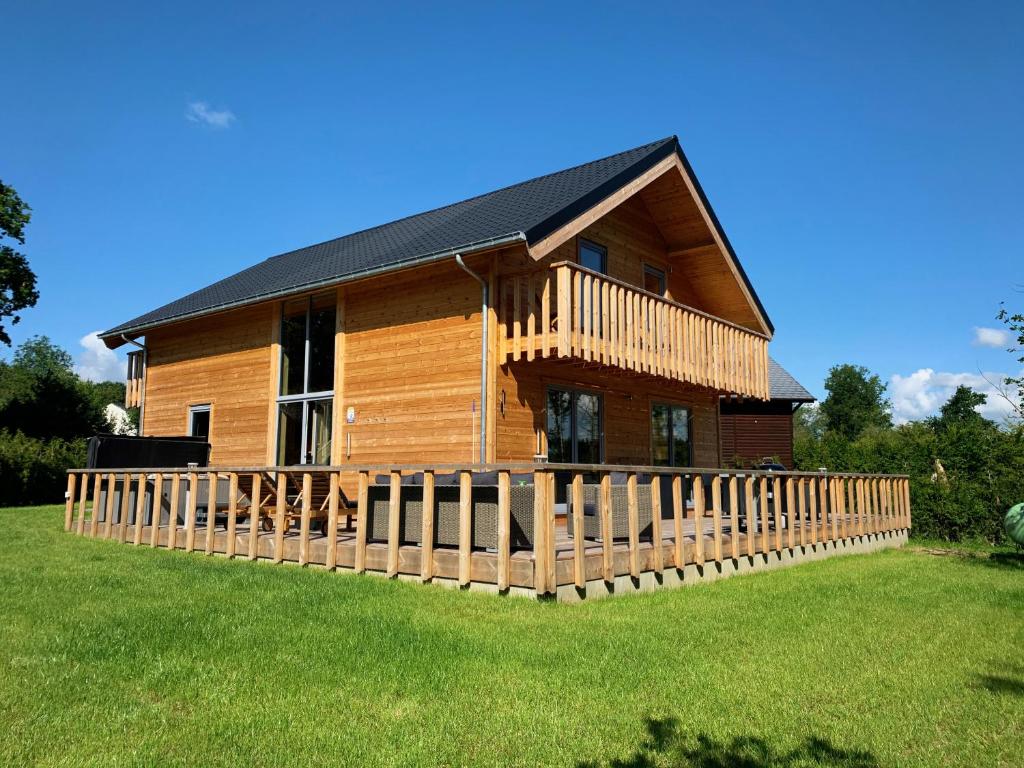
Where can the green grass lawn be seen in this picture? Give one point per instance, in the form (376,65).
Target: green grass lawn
(115,655)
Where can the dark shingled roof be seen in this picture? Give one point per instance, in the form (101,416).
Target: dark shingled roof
(526,212)
(784,387)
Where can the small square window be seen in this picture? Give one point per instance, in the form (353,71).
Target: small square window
(593,256)
(199,421)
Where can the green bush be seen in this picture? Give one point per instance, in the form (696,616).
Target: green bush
(33,471)
(983,465)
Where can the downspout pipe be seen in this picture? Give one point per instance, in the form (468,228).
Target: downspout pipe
(483,355)
(145,371)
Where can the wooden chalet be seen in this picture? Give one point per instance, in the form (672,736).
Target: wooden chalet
(579,331)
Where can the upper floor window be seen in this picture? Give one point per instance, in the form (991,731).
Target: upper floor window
(654,280)
(306,399)
(307,345)
(593,256)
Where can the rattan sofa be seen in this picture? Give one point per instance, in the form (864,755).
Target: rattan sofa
(446,521)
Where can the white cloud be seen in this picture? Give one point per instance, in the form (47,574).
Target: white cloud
(202,112)
(925,391)
(97,363)
(991,337)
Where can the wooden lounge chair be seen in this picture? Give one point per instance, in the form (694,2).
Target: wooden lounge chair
(320,496)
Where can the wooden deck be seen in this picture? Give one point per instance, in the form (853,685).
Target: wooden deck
(827,510)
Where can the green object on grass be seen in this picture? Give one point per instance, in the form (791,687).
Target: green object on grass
(1014,523)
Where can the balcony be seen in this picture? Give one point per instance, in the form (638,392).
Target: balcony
(574,313)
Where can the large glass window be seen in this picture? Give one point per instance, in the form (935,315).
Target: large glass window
(670,435)
(306,400)
(575,434)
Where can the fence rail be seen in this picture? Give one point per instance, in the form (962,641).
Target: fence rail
(571,311)
(493,524)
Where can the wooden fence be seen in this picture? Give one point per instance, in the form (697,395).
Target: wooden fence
(571,311)
(683,516)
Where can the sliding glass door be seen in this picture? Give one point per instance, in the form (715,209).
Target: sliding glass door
(575,434)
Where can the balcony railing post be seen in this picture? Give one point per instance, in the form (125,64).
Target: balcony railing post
(605,511)
(578,534)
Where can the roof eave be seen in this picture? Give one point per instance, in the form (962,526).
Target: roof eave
(117,336)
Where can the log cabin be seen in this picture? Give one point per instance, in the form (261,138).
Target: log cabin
(593,315)
(549,379)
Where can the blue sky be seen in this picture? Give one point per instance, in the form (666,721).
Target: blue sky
(865,160)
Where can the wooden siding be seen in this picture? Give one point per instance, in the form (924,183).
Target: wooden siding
(522,387)
(749,437)
(222,360)
(412,368)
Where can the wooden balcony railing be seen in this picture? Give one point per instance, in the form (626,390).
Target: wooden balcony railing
(570,311)
(511,531)
(133,384)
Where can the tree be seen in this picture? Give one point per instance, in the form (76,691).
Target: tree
(856,401)
(17,281)
(1015,325)
(41,396)
(960,408)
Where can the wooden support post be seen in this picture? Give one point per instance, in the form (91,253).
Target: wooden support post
(659,554)
(861,511)
(140,501)
(540,531)
(634,525)
(607,553)
(232,527)
(677,519)
(813,511)
(427,552)
(304,521)
(734,517)
(834,491)
(361,521)
(255,504)
(83,498)
(69,502)
(751,515)
(108,512)
(716,516)
(94,518)
(504,530)
(279,516)
(394,528)
(850,509)
(908,521)
(333,502)
(465,527)
(172,519)
(551,559)
(578,569)
(190,514)
(122,514)
(766,540)
(790,512)
(876,506)
(211,511)
(698,519)
(777,510)
(802,509)
(155,511)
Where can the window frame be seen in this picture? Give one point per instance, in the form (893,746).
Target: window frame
(661,274)
(195,408)
(574,393)
(688,409)
(305,398)
(582,243)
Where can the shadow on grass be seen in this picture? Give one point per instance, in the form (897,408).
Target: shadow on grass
(666,744)
(1013,561)
(1008,681)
